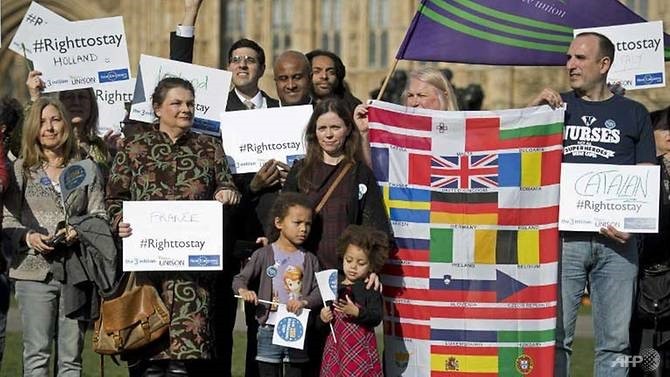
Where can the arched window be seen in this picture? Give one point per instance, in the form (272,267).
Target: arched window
(282,16)
(378,40)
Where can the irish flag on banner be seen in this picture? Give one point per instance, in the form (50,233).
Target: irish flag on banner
(473,199)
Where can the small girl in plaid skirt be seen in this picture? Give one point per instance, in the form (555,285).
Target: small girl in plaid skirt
(357,310)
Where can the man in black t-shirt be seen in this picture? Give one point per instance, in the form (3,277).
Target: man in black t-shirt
(605,128)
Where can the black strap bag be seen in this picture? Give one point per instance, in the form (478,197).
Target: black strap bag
(653,302)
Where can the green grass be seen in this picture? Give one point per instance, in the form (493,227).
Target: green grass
(582,357)
(11,364)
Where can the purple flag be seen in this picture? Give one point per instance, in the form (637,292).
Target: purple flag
(507,32)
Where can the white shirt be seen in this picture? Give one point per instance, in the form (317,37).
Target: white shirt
(258,100)
(185,31)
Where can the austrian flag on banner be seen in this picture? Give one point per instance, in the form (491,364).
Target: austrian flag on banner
(473,200)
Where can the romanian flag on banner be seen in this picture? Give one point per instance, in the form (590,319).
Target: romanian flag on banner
(473,200)
(505,32)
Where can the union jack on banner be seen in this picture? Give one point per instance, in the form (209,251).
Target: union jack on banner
(464,172)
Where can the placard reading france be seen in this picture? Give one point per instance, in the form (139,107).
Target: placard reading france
(83,54)
(250,138)
(173,235)
(638,54)
(211,90)
(594,196)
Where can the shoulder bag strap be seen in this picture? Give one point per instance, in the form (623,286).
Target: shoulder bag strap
(332,187)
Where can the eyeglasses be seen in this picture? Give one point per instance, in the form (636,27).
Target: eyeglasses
(237,59)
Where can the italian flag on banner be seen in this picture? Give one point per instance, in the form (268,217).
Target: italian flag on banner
(473,200)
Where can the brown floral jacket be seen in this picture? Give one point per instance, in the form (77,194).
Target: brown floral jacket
(152,167)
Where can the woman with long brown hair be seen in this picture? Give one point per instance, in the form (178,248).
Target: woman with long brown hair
(343,191)
(33,209)
(333,147)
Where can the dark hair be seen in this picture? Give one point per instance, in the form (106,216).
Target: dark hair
(89,130)
(340,70)
(11,113)
(280,209)
(164,87)
(314,152)
(660,119)
(374,243)
(248,43)
(605,45)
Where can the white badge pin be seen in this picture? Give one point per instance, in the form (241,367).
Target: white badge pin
(362,189)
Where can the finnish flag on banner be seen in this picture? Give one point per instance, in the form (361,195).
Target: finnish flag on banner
(327,280)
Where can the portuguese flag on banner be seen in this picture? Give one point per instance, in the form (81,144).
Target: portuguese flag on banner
(473,200)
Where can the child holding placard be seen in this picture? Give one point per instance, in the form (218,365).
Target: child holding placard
(286,275)
(358,310)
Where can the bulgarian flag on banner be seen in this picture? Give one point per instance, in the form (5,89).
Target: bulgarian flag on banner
(473,200)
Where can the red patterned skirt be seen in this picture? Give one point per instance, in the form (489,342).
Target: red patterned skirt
(354,354)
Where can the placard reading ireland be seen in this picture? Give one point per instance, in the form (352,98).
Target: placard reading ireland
(594,196)
(639,54)
(81,55)
(252,137)
(173,235)
(211,90)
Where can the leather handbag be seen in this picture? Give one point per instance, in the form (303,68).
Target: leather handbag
(653,302)
(131,319)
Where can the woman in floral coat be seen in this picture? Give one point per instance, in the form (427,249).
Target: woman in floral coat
(170,162)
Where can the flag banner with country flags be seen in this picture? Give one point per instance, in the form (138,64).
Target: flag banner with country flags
(504,32)
(473,199)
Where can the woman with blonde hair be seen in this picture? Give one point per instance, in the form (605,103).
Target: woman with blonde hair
(427,88)
(33,209)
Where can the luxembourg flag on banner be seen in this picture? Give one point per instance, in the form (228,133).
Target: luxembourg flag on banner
(473,200)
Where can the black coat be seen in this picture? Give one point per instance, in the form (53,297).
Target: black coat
(242,224)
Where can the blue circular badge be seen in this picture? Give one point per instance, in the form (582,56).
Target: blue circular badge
(332,282)
(74,176)
(290,329)
(45,181)
(271,271)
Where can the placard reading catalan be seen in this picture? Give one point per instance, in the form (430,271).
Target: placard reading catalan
(639,54)
(37,17)
(252,137)
(173,235)
(81,55)
(211,90)
(594,196)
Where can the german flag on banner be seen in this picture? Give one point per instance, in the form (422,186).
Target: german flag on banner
(473,200)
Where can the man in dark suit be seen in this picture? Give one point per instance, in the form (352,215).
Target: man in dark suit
(246,60)
(243,224)
(293,77)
